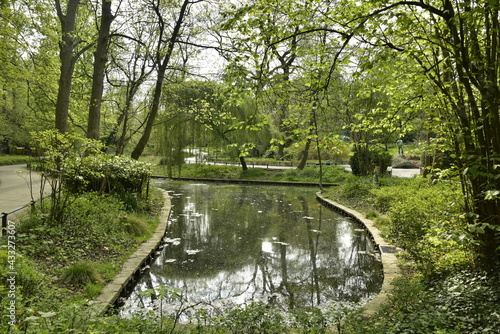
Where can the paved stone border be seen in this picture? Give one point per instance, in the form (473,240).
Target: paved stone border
(387,252)
(131,269)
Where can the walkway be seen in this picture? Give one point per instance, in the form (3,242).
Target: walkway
(15,187)
(397,172)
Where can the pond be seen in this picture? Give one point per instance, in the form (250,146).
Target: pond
(231,244)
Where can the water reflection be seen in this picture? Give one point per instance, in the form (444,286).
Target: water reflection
(238,243)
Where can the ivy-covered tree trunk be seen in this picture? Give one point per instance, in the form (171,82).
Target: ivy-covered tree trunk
(100,60)
(67,58)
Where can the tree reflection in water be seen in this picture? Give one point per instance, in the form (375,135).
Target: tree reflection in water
(236,244)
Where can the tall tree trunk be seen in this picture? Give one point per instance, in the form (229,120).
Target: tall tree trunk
(68,59)
(141,144)
(304,155)
(243,163)
(100,60)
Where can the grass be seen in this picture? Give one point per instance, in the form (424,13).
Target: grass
(6,160)
(331,174)
(80,274)
(63,265)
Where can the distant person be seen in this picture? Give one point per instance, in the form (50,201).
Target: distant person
(400,145)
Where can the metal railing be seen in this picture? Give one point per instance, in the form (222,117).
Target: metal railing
(5,216)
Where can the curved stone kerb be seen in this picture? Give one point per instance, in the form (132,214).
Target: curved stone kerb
(387,252)
(112,291)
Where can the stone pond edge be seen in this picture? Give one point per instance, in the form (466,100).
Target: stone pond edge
(132,267)
(387,253)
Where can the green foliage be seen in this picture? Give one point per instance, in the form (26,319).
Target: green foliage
(253,173)
(211,171)
(69,263)
(252,318)
(401,162)
(92,290)
(14,159)
(310,320)
(134,225)
(356,189)
(72,165)
(80,274)
(423,218)
(331,174)
(28,280)
(465,302)
(107,174)
(94,230)
(365,159)
(410,309)
(331,148)
(431,231)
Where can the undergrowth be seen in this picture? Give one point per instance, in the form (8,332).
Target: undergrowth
(440,291)
(59,266)
(14,159)
(63,266)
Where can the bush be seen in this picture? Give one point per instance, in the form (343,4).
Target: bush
(106,174)
(252,318)
(14,159)
(364,160)
(80,274)
(425,220)
(401,162)
(134,225)
(356,189)
(410,309)
(466,302)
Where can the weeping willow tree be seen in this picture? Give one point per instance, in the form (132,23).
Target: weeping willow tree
(199,115)
(173,136)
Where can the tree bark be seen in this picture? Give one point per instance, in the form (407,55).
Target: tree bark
(68,59)
(304,155)
(100,60)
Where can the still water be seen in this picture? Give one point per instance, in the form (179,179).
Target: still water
(236,244)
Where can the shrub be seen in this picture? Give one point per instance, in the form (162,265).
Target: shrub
(134,225)
(356,189)
(364,160)
(466,302)
(425,220)
(252,318)
(80,274)
(401,162)
(107,174)
(372,214)
(14,159)
(27,279)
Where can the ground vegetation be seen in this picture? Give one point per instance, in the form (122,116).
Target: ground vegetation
(320,81)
